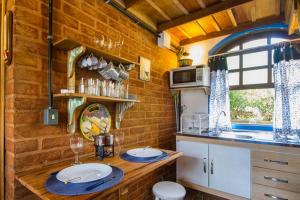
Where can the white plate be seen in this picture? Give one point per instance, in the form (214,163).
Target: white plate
(144,152)
(84,173)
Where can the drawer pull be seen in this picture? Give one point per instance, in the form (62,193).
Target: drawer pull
(276,161)
(274,197)
(204,165)
(275,179)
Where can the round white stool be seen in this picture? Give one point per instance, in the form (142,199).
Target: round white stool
(167,190)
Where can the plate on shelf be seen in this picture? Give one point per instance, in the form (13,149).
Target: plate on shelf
(95,119)
(84,173)
(144,152)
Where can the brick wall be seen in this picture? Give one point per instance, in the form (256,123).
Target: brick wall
(30,144)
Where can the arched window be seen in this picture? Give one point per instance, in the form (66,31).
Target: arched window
(250,63)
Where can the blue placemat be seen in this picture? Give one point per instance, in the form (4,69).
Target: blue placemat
(130,158)
(55,186)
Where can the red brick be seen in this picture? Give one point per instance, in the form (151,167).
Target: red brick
(26,146)
(54,142)
(23,162)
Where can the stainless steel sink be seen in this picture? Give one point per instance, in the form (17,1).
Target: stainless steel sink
(237,135)
(248,137)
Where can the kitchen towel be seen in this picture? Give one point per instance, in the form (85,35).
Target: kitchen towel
(130,158)
(55,186)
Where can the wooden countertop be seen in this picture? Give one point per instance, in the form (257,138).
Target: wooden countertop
(34,180)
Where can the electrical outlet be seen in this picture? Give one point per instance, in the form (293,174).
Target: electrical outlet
(50,116)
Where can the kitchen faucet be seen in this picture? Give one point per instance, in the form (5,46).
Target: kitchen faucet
(217,129)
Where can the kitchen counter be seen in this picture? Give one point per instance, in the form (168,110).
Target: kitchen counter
(261,141)
(34,180)
(258,138)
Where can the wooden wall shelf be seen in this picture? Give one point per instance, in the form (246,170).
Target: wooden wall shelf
(69,44)
(75,101)
(95,98)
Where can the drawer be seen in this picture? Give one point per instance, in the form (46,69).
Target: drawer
(260,192)
(276,161)
(276,179)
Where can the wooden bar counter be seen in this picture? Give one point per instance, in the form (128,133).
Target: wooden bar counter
(34,180)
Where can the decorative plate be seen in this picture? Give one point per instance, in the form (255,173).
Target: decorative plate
(95,119)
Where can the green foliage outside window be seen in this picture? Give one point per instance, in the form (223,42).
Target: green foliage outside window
(253,106)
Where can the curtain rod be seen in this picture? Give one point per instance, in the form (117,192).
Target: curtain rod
(297,40)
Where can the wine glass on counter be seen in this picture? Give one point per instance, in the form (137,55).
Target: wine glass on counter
(119,140)
(76,144)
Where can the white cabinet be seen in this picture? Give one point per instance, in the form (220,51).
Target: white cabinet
(218,167)
(193,165)
(230,170)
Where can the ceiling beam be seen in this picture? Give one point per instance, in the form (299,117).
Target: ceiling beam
(158,9)
(130,3)
(201,3)
(181,7)
(253,14)
(204,32)
(231,17)
(277,7)
(201,13)
(215,24)
(239,28)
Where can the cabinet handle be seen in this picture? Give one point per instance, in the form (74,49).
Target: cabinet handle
(204,165)
(275,179)
(212,167)
(274,197)
(276,161)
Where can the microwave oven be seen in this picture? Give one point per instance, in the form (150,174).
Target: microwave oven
(191,76)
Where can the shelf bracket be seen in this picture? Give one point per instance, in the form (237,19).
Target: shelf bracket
(121,109)
(73,56)
(73,104)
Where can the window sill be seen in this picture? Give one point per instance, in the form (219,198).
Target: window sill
(252,127)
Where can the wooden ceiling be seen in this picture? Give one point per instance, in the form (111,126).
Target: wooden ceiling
(190,21)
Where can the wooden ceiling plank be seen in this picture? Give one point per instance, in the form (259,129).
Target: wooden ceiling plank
(231,17)
(180,7)
(215,23)
(201,13)
(184,32)
(240,27)
(204,32)
(201,3)
(158,9)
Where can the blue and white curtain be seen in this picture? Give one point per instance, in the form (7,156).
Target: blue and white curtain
(219,98)
(286,117)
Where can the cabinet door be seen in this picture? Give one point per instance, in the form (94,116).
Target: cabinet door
(229,170)
(193,165)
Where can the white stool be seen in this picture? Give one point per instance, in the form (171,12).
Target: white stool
(167,190)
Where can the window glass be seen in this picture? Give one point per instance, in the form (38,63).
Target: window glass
(277,40)
(259,76)
(236,48)
(234,79)
(255,43)
(233,62)
(253,106)
(255,59)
